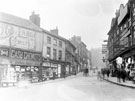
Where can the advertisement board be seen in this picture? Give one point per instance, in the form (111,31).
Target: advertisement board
(18,37)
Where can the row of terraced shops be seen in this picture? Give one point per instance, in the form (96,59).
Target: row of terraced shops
(21,53)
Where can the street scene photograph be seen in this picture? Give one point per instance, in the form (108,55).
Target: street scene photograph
(67,50)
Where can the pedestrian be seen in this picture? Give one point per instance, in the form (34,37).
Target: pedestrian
(119,75)
(103,72)
(87,71)
(108,72)
(123,74)
(99,75)
(64,74)
(84,72)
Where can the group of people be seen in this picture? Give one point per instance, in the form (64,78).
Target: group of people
(122,73)
(101,74)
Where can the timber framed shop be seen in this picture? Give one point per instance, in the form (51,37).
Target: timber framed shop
(121,39)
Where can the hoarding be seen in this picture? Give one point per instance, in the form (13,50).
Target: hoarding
(19,37)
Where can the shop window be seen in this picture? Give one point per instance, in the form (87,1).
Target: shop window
(117,31)
(125,26)
(134,11)
(129,22)
(121,28)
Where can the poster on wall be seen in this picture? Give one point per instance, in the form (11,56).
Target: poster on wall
(20,37)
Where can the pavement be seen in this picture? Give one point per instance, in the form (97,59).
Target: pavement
(26,83)
(127,83)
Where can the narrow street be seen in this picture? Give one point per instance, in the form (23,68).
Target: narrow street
(75,89)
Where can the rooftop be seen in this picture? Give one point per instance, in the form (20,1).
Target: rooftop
(18,21)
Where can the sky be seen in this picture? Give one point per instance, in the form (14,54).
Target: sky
(90,19)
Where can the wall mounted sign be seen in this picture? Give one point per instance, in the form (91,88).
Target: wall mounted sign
(19,37)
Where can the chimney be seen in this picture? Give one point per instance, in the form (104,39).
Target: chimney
(54,31)
(34,18)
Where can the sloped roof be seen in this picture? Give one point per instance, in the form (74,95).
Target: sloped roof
(18,21)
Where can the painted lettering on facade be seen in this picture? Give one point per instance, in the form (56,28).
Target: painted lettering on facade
(19,54)
(20,37)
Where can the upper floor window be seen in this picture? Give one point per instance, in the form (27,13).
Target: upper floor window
(54,54)
(117,31)
(60,43)
(48,40)
(55,42)
(49,52)
(60,54)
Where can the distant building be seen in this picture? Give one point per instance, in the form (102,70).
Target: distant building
(81,52)
(70,57)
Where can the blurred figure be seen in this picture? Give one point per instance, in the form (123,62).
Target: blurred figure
(87,72)
(99,75)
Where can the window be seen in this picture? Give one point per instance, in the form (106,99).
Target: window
(55,42)
(121,29)
(49,51)
(54,54)
(125,26)
(60,54)
(60,43)
(117,31)
(49,40)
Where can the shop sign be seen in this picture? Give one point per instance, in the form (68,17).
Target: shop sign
(4,52)
(59,68)
(20,54)
(24,62)
(16,54)
(47,64)
(53,65)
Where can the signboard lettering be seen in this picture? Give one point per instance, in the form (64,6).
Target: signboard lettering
(19,37)
(4,52)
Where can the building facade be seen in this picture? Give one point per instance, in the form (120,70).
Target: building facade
(121,35)
(20,48)
(70,58)
(81,52)
(53,53)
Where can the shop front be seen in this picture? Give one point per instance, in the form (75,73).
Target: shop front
(49,70)
(17,65)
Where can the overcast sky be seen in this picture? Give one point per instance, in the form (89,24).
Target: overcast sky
(89,19)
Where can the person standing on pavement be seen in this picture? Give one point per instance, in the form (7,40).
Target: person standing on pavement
(108,72)
(99,75)
(119,74)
